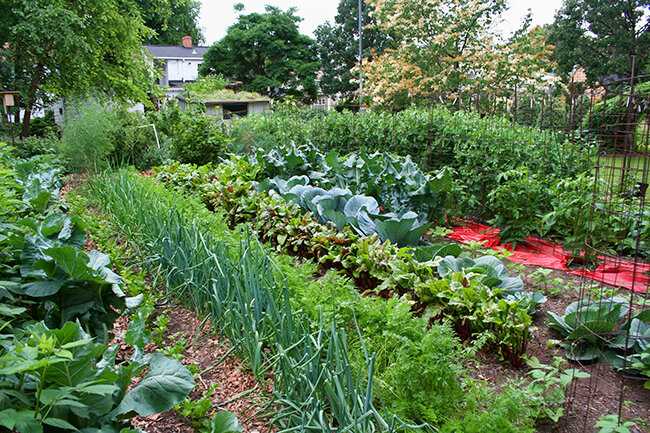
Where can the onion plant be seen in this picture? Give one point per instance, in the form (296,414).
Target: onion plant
(238,287)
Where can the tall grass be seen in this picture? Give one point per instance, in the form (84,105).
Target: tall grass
(314,382)
(87,138)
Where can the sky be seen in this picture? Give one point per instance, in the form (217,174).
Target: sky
(218,15)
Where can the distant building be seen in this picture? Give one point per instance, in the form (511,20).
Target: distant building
(227,104)
(179,64)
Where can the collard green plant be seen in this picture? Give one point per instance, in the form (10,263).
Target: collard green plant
(59,281)
(593,329)
(401,229)
(61,378)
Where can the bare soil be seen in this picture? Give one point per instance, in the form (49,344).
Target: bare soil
(587,399)
(237,389)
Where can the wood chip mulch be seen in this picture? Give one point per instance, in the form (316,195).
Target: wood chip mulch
(237,389)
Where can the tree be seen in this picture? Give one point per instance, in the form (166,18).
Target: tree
(446,50)
(601,36)
(268,54)
(171,20)
(338,46)
(65,47)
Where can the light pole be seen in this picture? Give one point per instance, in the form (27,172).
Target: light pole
(360,31)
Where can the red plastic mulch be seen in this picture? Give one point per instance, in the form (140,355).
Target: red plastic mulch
(625,273)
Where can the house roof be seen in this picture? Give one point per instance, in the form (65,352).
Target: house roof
(176,51)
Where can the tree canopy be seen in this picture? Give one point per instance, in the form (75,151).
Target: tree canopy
(267,53)
(601,36)
(171,20)
(338,44)
(66,47)
(448,50)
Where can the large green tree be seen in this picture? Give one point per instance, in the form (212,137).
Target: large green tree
(267,53)
(73,47)
(601,36)
(338,47)
(171,20)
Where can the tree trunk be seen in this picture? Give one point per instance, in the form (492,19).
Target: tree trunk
(31,100)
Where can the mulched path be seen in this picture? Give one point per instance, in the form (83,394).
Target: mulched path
(237,389)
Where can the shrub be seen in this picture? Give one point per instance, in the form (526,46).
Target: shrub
(32,146)
(518,204)
(202,140)
(88,135)
(44,126)
(135,141)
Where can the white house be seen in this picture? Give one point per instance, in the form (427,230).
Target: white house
(179,63)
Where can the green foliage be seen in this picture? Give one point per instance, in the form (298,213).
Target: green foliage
(206,85)
(61,378)
(641,363)
(271,335)
(57,303)
(134,140)
(495,302)
(478,149)
(518,203)
(44,127)
(612,424)
(267,53)
(191,136)
(66,48)
(396,183)
(171,20)
(338,47)
(87,139)
(550,383)
(225,422)
(594,329)
(600,35)
(32,146)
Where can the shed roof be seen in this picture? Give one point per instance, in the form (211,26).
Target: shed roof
(176,51)
(228,96)
(217,101)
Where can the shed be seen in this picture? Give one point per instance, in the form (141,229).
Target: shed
(228,103)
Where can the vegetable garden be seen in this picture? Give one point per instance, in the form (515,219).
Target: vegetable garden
(316,248)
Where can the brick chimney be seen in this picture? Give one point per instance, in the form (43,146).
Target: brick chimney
(187,41)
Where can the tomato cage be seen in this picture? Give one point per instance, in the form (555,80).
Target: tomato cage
(606,332)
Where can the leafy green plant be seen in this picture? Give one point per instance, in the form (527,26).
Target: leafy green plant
(197,410)
(201,139)
(612,424)
(225,422)
(641,363)
(61,378)
(518,204)
(66,282)
(549,384)
(87,139)
(244,277)
(592,328)
(401,229)
(491,271)
(541,277)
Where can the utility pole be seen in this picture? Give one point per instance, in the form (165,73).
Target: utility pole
(360,31)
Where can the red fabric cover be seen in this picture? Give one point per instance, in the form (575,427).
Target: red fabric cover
(539,252)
